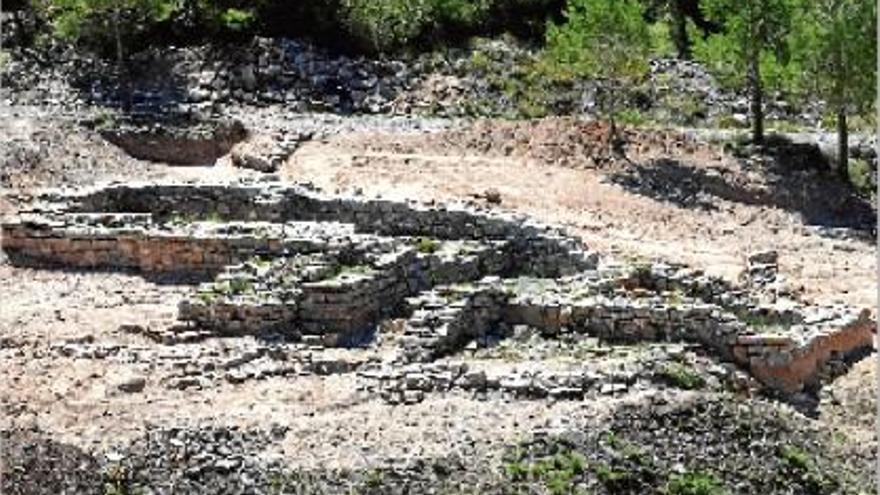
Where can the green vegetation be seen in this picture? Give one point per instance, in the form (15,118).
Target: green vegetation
(795,457)
(614,479)
(674,298)
(799,48)
(642,270)
(693,483)
(116,481)
(799,463)
(240,286)
(682,376)
(748,50)
(606,40)
(833,44)
(374,479)
(762,321)
(105,23)
(207,297)
(381,25)
(334,273)
(426,245)
(860,177)
(557,472)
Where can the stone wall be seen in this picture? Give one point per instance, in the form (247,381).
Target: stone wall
(197,143)
(90,242)
(327,269)
(335,297)
(445,319)
(532,248)
(784,350)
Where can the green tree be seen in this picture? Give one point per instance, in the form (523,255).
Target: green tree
(383,25)
(751,43)
(606,40)
(673,13)
(834,43)
(103,21)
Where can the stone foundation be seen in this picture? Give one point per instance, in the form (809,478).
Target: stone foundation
(291,261)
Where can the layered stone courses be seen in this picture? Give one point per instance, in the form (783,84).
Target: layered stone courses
(289,260)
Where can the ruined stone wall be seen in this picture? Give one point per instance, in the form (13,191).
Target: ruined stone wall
(327,269)
(782,354)
(532,248)
(346,300)
(65,241)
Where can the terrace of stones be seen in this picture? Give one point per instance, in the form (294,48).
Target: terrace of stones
(284,261)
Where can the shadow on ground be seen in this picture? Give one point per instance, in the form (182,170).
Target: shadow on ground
(791,179)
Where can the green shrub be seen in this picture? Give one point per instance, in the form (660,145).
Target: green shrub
(426,245)
(693,483)
(795,457)
(661,40)
(237,19)
(605,39)
(632,117)
(615,480)
(383,25)
(682,376)
(240,286)
(463,14)
(109,26)
(860,176)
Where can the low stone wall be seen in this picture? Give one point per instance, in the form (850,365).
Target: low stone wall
(256,297)
(532,248)
(333,296)
(327,269)
(352,301)
(446,319)
(783,355)
(202,247)
(790,368)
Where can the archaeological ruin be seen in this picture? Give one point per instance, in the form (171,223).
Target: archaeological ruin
(274,260)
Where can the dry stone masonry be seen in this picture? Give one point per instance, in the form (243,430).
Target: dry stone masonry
(283,261)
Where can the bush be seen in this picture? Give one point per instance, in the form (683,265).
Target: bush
(425,245)
(606,40)
(383,25)
(105,25)
(682,376)
(693,483)
(859,175)
(359,26)
(661,40)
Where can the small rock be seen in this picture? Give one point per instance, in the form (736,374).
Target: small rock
(493,196)
(767,257)
(132,385)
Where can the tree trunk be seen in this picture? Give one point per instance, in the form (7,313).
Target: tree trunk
(682,43)
(756,97)
(122,69)
(842,145)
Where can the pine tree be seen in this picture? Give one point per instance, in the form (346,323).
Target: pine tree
(606,40)
(754,33)
(834,42)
